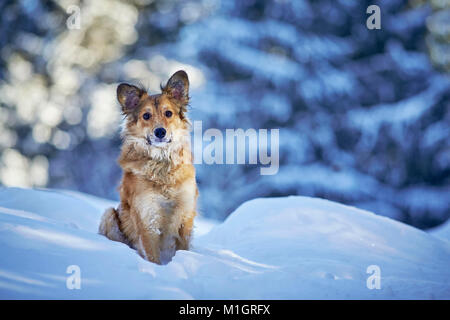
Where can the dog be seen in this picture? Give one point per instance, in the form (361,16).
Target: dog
(158,190)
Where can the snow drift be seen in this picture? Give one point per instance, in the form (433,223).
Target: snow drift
(271,248)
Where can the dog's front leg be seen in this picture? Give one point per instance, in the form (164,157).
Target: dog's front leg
(185,232)
(148,239)
(148,247)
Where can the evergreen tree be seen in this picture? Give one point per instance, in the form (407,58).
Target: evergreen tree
(363,114)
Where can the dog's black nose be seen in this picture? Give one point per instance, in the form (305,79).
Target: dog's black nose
(160,132)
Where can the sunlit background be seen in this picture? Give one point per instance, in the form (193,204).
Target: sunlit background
(364,115)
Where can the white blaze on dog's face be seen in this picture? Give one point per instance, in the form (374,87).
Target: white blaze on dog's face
(156,121)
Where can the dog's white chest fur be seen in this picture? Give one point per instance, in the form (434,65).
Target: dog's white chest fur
(152,208)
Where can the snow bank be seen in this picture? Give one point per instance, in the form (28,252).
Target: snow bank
(442,231)
(272,248)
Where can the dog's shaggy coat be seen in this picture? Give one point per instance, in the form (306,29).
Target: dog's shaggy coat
(158,191)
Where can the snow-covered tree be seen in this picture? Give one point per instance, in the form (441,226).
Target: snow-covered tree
(363,114)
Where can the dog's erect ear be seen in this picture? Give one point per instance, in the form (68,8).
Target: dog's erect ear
(177,87)
(129,97)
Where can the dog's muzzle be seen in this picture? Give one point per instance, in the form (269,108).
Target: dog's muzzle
(158,142)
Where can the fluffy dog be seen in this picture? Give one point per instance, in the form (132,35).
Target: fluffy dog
(158,191)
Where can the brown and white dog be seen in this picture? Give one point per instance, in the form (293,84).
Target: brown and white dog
(158,191)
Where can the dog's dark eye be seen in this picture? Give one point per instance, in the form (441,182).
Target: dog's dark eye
(168,114)
(146,116)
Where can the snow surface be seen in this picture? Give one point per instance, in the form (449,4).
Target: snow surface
(442,231)
(269,248)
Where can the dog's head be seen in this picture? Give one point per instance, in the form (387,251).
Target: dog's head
(156,123)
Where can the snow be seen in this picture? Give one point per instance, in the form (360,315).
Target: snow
(269,248)
(442,231)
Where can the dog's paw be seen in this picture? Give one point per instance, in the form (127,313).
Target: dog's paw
(109,226)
